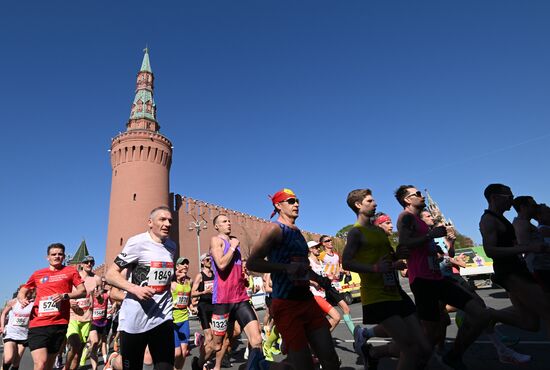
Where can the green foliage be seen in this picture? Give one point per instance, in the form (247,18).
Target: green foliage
(463,241)
(343,232)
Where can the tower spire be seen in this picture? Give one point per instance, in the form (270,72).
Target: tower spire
(143,115)
(435,211)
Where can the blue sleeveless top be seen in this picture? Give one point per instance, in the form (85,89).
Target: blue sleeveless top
(293,248)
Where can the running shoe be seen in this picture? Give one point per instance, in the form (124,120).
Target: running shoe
(108,364)
(358,342)
(246,353)
(58,362)
(267,353)
(199,339)
(195,364)
(509,356)
(371,361)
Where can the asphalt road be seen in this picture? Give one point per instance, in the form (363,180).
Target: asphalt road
(480,356)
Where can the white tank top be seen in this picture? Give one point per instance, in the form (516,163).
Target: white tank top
(18,322)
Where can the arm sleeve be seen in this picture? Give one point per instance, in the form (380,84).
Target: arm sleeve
(128,255)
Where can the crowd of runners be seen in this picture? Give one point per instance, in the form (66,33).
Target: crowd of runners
(138,313)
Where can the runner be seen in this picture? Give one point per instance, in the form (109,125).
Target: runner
(51,309)
(333,268)
(81,315)
(297,316)
(231,303)
(449,262)
(541,266)
(181,295)
(369,253)
(202,288)
(145,317)
(318,291)
(427,283)
(14,327)
(100,327)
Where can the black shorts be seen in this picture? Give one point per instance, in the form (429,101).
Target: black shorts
(50,337)
(205,314)
(332,296)
(242,312)
(160,340)
(428,293)
(375,313)
(101,330)
(543,278)
(24,343)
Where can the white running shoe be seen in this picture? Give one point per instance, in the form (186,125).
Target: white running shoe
(509,356)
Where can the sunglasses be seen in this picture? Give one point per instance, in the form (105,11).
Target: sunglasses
(88,262)
(291,201)
(327,240)
(417,194)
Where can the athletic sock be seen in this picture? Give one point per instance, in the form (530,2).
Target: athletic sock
(349,324)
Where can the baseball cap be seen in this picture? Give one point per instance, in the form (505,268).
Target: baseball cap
(182,261)
(203,256)
(312,243)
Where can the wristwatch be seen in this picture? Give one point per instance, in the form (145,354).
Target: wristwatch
(65,296)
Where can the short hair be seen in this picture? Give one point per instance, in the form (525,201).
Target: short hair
(158,209)
(215,220)
(357,195)
(323,237)
(492,189)
(56,246)
(401,193)
(522,201)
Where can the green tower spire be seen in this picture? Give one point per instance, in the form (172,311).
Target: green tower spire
(143,115)
(146,65)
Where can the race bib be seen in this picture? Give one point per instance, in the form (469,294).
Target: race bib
(182,300)
(84,303)
(336,285)
(219,324)
(160,274)
(47,307)
(98,313)
(209,285)
(390,282)
(21,321)
(300,280)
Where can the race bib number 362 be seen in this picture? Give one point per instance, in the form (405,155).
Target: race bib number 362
(160,275)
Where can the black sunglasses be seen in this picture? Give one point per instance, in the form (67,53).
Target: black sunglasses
(292,201)
(417,194)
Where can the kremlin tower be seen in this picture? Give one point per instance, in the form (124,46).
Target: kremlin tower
(140,160)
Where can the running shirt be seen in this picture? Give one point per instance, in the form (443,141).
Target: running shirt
(206,282)
(375,286)
(47,283)
(317,267)
(181,296)
(507,239)
(86,303)
(331,263)
(445,264)
(423,261)
(17,327)
(149,264)
(100,308)
(229,284)
(293,249)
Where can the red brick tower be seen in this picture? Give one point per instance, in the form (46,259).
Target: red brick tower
(140,159)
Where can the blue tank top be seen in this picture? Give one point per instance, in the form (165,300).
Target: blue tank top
(293,248)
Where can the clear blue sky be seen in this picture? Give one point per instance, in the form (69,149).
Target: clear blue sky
(319,96)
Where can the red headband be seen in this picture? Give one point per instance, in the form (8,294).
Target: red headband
(279,197)
(381,220)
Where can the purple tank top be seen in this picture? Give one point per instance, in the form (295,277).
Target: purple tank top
(423,261)
(229,284)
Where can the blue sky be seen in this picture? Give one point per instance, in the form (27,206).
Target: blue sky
(319,96)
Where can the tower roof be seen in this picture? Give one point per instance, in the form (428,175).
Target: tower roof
(80,253)
(145,64)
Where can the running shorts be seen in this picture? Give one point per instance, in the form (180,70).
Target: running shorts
(50,337)
(225,314)
(181,333)
(82,329)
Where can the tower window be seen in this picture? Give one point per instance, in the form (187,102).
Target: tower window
(134,197)
(120,241)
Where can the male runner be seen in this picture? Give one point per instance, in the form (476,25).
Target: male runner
(296,314)
(332,269)
(500,243)
(145,317)
(14,328)
(81,315)
(229,295)
(50,313)
(426,281)
(369,252)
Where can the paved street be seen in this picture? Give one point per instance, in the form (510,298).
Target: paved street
(481,356)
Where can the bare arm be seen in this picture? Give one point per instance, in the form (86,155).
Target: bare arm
(488,228)
(216,251)
(5,311)
(22,296)
(195,287)
(267,283)
(117,278)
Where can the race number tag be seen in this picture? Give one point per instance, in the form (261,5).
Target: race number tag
(47,307)
(160,274)
(84,303)
(336,285)
(98,313)
(209,285)
(21,321)
(182,300)
(390,282)
(219,324)
(300,280)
